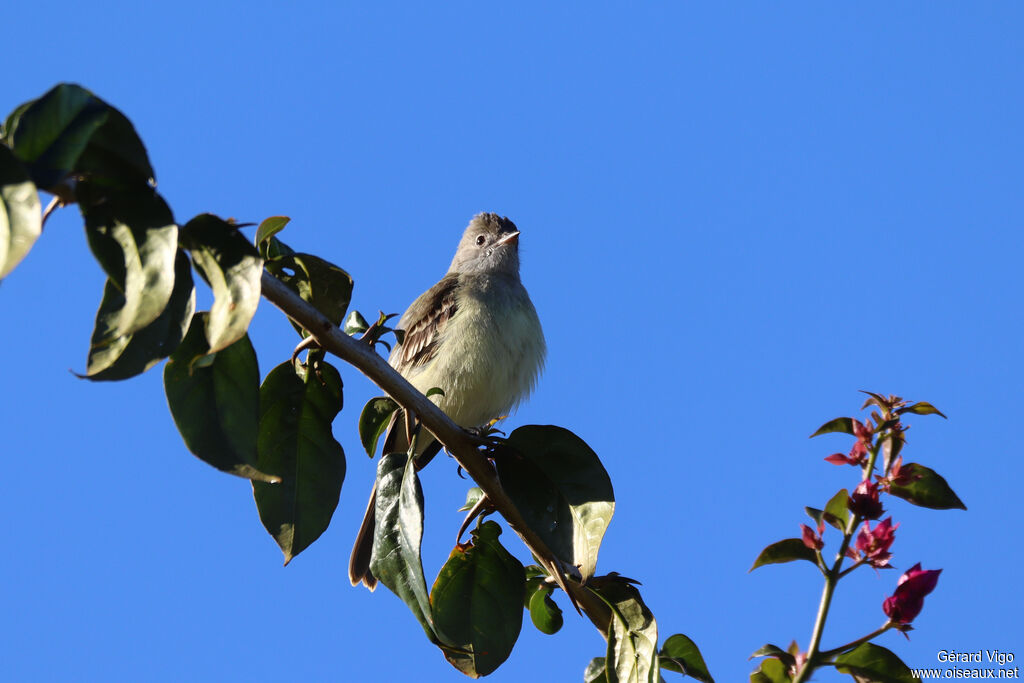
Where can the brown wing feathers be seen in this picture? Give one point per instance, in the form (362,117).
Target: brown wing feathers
(428,317)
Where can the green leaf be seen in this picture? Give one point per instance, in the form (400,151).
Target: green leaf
(355,324)
(132,354)
(545,614)
(786,550)
(216,404)
(770,671)
(398,535)
(115,155)
(840,424)
(374,420)
(559,485)
(232,267)
(473,496)
(476,602)
(680,654)
(20,219)
(295,443)
(922,408)
(69,131)
(324,285)
(632,654)
(926,488)
(891,447)
(874,664)
(595,671)
(51,132)
(770,650)
(836,511)
(135,240)
(268,228)
(272,248)
(11,122)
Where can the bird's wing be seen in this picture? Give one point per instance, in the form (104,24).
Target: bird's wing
(424,323)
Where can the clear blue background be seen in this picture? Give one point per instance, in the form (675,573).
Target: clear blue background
(733,216)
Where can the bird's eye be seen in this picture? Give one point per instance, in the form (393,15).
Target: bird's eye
(480,239)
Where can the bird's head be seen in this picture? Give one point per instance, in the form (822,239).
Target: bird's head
(489,245)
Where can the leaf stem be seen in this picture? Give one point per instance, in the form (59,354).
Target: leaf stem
(828,654)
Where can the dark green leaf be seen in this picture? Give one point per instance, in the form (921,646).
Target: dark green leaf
(922,408)
(836,511)
(268,228)
(595,672)
(632,654)
(132,354)
(295,443)
(70,131)
(770,671)
(355,324)
(926,488)
(874,664)
(115,155)
(786,550)
(561,489)
(398,535)
(11,122)
(374,420)
(680,654)
(473,496)
(20,219)
(232,267)
(324,285)
(840,424)
(50,133)
(544,613)
(135,240)
(216,403)
(476,602)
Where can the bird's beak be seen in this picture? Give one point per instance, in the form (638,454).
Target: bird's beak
(511,237)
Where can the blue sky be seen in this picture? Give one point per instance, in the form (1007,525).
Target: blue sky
(733,218)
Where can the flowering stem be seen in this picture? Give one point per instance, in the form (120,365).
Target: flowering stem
(819,628)
(814,655)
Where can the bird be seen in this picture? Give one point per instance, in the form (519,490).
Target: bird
(476,336)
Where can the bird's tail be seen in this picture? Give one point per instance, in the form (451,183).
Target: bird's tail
(359,562)
(395,441)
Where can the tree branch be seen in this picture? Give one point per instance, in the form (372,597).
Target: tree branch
(456,441)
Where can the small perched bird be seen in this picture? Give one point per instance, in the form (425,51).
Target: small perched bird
(476,336)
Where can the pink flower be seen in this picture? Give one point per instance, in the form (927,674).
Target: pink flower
(908,599)
(864,501)
(875,543)
(863,431)
(859,451)
(812,540)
